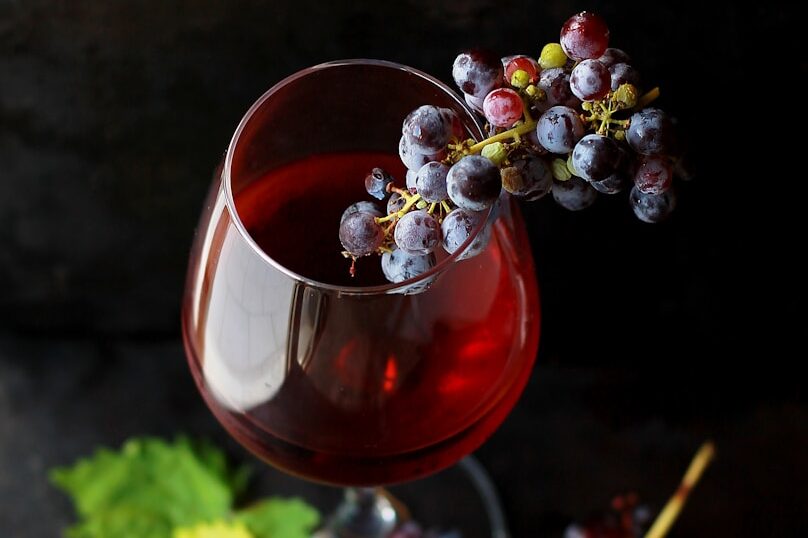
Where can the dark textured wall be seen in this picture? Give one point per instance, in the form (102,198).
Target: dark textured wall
(114,114)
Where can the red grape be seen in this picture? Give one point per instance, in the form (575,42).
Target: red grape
(526,64)
(654,174)
(584,36)
(503,107)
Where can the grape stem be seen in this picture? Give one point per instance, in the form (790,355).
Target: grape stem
(505,135)
(648,98)
(670,512)
(526,111)
(412,199)
(401,192)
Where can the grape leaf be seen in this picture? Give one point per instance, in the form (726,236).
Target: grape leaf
(155,489)
(280,518)
(146,489)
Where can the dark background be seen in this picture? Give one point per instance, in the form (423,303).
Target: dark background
(655,338)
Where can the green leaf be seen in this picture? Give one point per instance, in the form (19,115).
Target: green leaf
(280,518)
(154,489)
(146,489)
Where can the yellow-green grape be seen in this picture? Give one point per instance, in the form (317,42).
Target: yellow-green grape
(569,165)
(552,55)
(520,79)
(626,95)
(495,152)
(560,170)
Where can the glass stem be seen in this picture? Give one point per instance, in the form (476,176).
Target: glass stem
(363,513)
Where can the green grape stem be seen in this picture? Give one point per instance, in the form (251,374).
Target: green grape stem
(504,135)
(412,199)
(526,110)
(648,98)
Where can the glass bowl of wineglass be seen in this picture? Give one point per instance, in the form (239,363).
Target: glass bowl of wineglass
(348,381)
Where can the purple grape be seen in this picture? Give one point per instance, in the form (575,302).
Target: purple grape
(559,129)
(395,203)
(533,139)
(654,174)
(649,132)
(473,183)
(590,80)
(427,129)
(376,183)
(474,103)
(614,56)
(456,130)
(574,194)
(412,176)
(360,234)
(430,182)
(360,207)
(652,208)
(623,74)
(417,233)
(399,266)
(613,184)
(414,159)
(623,176)
(595,157)
(477,72)
(456,228)
(556,84)
(529,178)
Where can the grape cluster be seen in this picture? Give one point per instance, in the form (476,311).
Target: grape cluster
(572,123)
(626,518)
(444,201)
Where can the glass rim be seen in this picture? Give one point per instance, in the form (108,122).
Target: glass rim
(402,286)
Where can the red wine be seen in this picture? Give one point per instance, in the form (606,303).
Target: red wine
(382,388)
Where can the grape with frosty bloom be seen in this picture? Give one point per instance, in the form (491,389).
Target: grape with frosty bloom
(473,183)
(458,226)
(559,129)
(417,233)
(595,157)
(574,194)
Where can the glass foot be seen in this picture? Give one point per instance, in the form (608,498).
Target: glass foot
(459,502)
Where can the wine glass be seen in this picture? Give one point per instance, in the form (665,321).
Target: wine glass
(341,380)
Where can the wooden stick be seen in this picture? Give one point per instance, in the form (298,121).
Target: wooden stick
(670,512)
